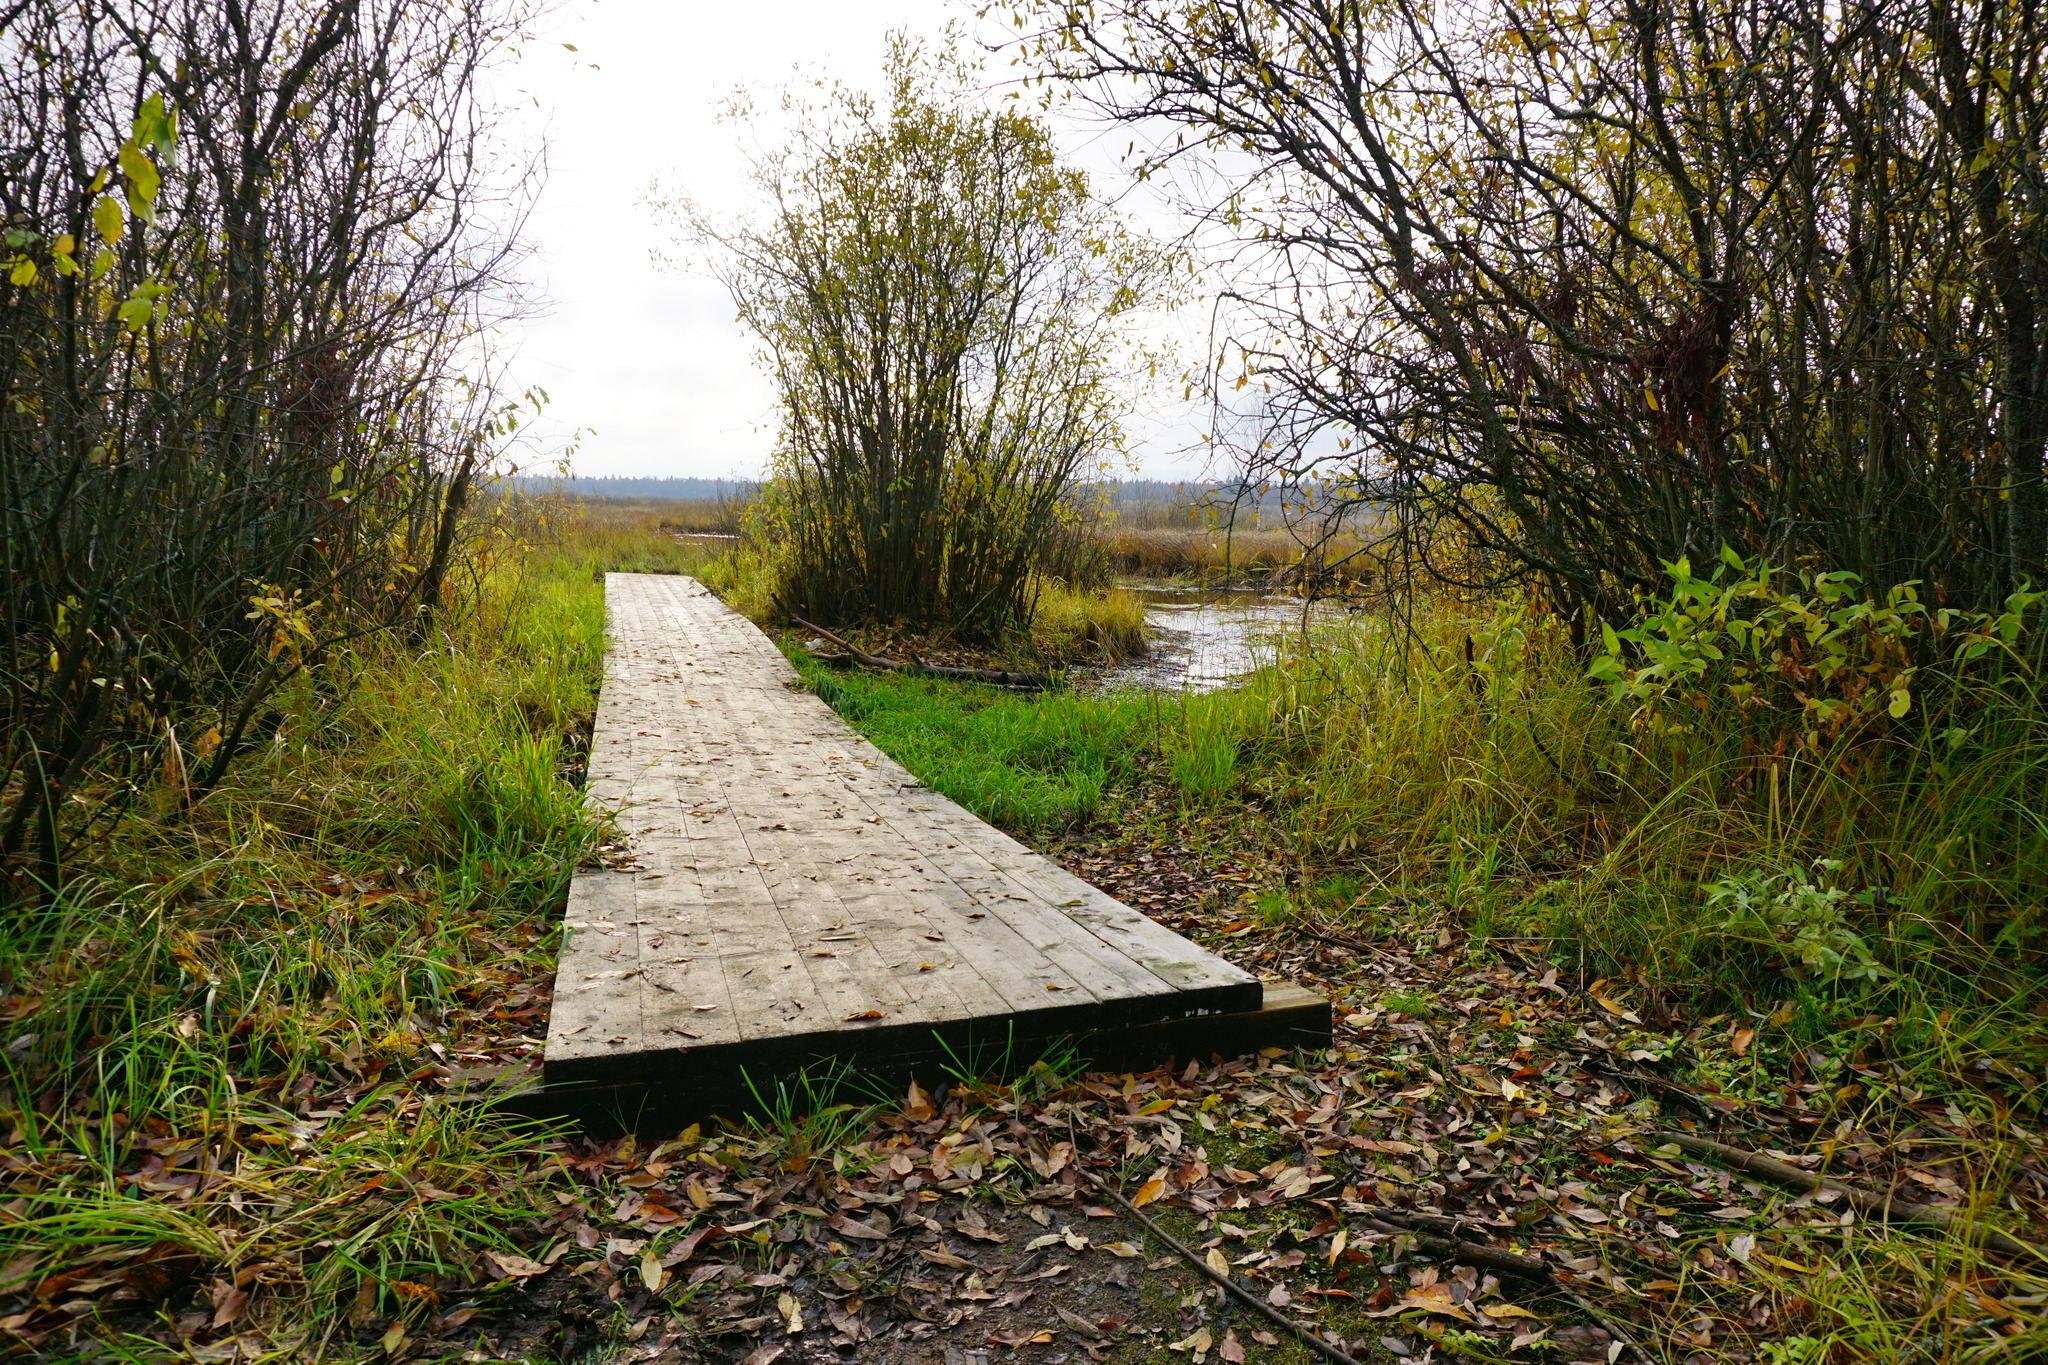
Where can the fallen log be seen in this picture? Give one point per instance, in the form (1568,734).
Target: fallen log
(1001,677)
(1866,1202)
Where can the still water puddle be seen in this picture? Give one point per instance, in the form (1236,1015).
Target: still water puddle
(1203,639)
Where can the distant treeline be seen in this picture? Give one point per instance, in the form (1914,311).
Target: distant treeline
(621,489)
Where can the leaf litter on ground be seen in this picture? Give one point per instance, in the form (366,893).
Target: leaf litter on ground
(1475,1095)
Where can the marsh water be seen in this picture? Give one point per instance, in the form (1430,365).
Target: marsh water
(1202,638)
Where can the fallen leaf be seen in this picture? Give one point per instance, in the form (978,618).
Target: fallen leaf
(1230,1350)
(947,1259)
(1125,1249)
(1041,1337)
(1216,1262)
(766,1353)
(1079,1323)
(1732,1214)
(1149,1191)
(228,1303)
(513,1266)
(848,1227)
(1432,1298)
(792,1313)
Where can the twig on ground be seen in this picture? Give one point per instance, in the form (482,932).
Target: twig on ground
(1863,1201)
(1229,1286)
(1002,677)
(1394,1223)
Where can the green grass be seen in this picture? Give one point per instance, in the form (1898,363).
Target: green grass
(1409,791)
(237,1016)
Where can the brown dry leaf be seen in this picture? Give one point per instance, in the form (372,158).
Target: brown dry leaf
(946,1259)
(1740,1043)
(847,1227)
(229,1303)
(1042,1337)
(513,1266)
(1080,1324)
(766,1353)
(1230,1350)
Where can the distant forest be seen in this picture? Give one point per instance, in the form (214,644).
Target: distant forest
(621,489)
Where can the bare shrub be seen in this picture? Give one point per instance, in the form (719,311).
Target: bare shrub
(250,247)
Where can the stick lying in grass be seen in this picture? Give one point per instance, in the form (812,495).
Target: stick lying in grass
(1229,1286)
(1449,1248)
(1863,1201)
(1001,676)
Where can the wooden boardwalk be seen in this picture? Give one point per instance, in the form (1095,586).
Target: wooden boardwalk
(794,896)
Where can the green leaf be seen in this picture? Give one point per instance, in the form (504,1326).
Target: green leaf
(1902,702)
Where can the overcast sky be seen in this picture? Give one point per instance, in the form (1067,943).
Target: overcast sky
(649,364)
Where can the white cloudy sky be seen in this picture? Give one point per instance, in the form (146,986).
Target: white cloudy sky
(649,364)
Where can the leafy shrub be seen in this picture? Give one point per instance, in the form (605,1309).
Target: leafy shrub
(1798,918)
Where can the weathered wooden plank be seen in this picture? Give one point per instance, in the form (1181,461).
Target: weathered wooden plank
(792,897)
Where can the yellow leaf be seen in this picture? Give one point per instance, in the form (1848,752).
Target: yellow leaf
(1506,1310)
(1156,1107)
(107,219)
(1434,1298)
(24,272)
(1149,1191)
(1215,1261)
(1783,1264)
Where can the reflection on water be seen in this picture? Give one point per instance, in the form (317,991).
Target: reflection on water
(1202,638)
